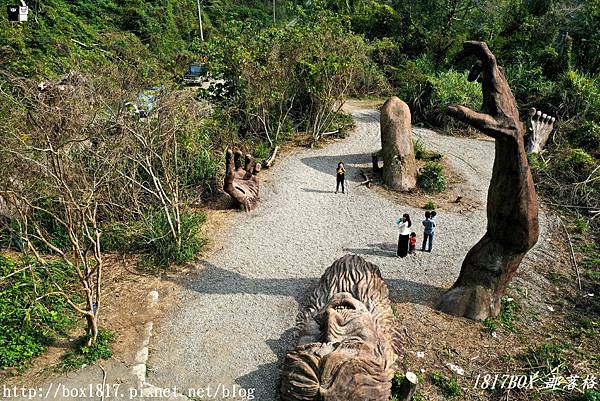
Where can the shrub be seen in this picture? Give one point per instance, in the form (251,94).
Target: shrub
(450,87)
(577,161)
(587,136)
(32,315)
(421,152)
(262,150)
(156,239)
(419,149)
(84,355)
(579,96)
(430,205)
(431,177)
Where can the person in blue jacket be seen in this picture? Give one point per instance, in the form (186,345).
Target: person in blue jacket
(428,232)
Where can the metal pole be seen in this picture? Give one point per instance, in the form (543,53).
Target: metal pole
(273,11)
(200,20)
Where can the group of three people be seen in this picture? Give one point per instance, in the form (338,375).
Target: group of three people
(407,240)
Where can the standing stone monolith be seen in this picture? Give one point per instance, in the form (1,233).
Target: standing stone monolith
(399,165)
(512,208)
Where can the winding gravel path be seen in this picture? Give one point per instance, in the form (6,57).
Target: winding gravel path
(237,314)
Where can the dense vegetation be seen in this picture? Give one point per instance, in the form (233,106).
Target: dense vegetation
(282,78)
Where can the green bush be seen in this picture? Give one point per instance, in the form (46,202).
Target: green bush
(156,239)
(84,355)
(421,152)
(431,178)
(579,96)
(32,315)
(430,205)
(577,161)
(587,136)
(419,149)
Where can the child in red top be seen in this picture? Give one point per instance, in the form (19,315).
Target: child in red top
(412,242)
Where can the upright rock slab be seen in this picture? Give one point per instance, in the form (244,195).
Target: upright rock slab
(399,165)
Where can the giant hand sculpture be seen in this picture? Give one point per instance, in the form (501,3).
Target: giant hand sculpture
(345,351)
(512,209)
(242,184)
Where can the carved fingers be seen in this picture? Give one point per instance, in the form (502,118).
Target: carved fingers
(229,167)
(539,127)
(478,49)
(248,162)
(238,159)
(241,183)
(480,121)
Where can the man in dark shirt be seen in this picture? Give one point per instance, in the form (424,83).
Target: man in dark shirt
(429,231)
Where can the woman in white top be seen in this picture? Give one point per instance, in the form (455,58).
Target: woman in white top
(404,224)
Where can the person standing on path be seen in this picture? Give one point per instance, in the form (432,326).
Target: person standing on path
(428,232)
(404,224)
(340,177)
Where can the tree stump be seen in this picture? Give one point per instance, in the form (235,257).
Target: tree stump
(407,387)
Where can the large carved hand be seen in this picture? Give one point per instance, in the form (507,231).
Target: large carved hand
(242,183)
(500,116)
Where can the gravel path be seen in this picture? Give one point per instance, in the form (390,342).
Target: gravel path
(237,314)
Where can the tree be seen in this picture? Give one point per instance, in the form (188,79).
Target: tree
(57,167)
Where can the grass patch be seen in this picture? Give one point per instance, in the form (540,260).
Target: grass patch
(421,152)
(153,237)
(548,357)
(83,355)
(589,395)
(32,314)
(506,318)
(447,385)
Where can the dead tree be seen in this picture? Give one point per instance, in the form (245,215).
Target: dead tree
(512,208)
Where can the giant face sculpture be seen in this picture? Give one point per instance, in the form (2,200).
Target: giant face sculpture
(345,350)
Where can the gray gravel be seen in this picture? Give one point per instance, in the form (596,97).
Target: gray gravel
(237,314)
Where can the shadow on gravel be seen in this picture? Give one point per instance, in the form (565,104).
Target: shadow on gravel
(263,390)
(328,164)
(366,118)
(382,249)
(318,191)
(216,280)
